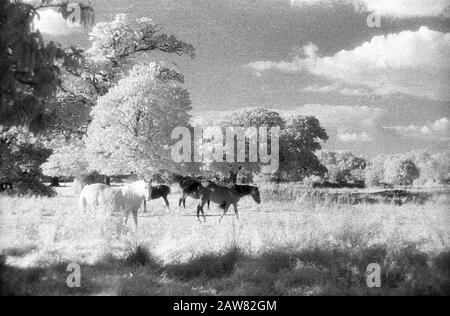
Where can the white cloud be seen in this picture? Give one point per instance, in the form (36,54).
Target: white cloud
(355,137)
(436,130)
(390,8)
(411,62)
(337,88)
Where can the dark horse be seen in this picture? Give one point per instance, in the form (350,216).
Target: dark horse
(189,187)
(157,192)
(224,196)
(5,186)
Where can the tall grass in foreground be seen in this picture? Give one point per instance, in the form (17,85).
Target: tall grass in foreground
(293,247)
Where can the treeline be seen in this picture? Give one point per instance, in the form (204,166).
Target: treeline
(418,168)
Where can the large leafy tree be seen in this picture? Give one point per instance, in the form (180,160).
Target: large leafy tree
(245,119)
(30,71)
(132,123)
(300,137)
(300,140)
(116,47)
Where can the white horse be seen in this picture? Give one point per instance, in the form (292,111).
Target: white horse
(127,199)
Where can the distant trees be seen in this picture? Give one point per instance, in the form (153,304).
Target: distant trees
(392,170)
(413,168)
(343,167)
(401,171)
(249,118)
(132,124)
(299,138)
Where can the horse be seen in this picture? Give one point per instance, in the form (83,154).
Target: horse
(127,198)
(5,186)
(225,196)
(189,187)
(157,192)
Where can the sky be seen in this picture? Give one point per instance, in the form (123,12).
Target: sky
(376,90)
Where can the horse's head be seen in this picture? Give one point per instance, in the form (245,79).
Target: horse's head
(255,195)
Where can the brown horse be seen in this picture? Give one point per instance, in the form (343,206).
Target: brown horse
(225,196)
(159,191)
(5,186)
(189,187)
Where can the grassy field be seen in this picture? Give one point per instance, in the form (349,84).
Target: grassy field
(293,243)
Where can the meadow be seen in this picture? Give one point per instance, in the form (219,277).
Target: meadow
(296,242)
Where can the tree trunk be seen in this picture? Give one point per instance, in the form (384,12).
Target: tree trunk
(54,182)
(107,180)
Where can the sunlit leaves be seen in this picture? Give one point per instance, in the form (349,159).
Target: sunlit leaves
(132,123)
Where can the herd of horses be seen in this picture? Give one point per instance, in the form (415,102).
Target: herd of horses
(131,197)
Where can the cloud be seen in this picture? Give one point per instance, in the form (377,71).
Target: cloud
(296,66)
(337,88)
(355,137)
(414,63)
(389,8)
(439,129)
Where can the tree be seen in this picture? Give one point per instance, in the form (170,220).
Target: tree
(29,67)
(374,172)
(115,47)
(300,137)
(21,155)
(300,140)
(117,44)
(132,124)
(249,118)
(401,171)
(343,167)
(67,160)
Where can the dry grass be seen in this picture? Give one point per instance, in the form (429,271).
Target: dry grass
(294,246)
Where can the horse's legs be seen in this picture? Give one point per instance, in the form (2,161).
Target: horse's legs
(82,205)
(200,209)
(236,210)
(135,218)
(126,214)
(145,206)
(182,200)
(225,210)
(209,201)
(167,203)
(198,212)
